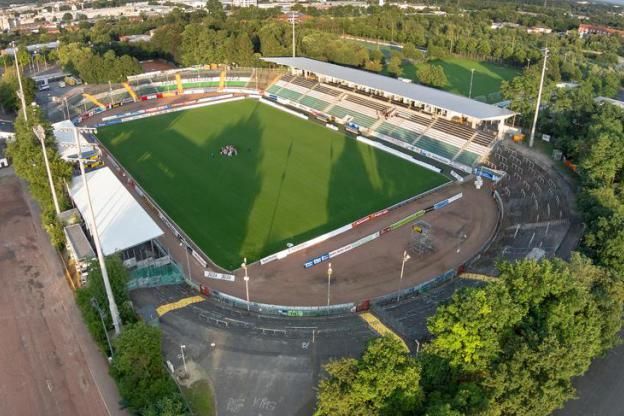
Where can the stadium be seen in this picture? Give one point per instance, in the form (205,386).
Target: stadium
(305,184)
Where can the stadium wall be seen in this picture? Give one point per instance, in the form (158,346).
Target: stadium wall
(367,239)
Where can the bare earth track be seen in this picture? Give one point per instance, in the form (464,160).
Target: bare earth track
(49,364)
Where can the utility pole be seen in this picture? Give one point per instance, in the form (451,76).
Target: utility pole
(539,99)
(40,134)
(96,237)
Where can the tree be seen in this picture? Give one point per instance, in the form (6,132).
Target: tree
(215,10)
(140,373)
(524,337)
(411,53)
(394,65)
(94,289)
(9,86)
(432,75)
(67,17)
(384,382)
(27,157)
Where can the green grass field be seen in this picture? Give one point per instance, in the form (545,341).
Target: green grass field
(292,180)
(487,78)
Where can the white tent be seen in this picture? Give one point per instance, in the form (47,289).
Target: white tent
(121,222)
(66,143)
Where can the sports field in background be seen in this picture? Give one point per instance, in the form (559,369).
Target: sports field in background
(291,181)
(487,78)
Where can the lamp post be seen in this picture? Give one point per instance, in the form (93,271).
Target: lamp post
(246,278)
(96,306)
(182,347)
(94,232)
(19,81)
(188,261)
(471,78)
(67,108)
(40,134)
(539,99)
(329,274)
(406,257)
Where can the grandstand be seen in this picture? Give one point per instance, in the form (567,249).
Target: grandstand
(93,99)
(448,128)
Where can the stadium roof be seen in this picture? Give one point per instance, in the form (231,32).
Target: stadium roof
(66,143)
(122,223)
(426,95)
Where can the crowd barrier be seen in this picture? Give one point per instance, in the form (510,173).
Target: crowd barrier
(279,107)
(165,109)
(420,151)
(282,310)
(396,153)
(367,239)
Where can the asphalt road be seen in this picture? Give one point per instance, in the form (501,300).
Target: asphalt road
(259,365)
(48,363)
(601,389)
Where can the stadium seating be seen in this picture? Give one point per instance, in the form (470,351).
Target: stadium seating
(314,103)
(374,105)
(435,146)
(442,137)
(305,83)
(416,118)
(484,138)
(397,132)
(326,90)
(467,158)
(454,129)
(358,118)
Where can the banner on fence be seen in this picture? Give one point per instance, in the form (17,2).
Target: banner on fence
(219,276)
(316,260)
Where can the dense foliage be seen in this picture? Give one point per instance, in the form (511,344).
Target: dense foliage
(386,381)
(95,68)
(9,86)
(141,376)
(27,158)
(508,348)
(94,289)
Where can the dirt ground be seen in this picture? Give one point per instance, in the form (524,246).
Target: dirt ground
(48,363)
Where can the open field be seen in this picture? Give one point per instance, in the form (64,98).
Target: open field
(487,78)
(486,82)
(291,181)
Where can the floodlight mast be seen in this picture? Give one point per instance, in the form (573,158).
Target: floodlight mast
(539,99)
(96,237)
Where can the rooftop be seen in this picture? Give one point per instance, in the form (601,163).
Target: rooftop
(426,95)
(121,222)
(79,242)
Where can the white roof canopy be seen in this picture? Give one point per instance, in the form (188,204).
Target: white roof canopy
(121,222)
(66,143)
(420,93)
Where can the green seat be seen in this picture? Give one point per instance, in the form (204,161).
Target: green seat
(435,146)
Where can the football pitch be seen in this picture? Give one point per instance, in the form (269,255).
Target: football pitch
(292,179)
